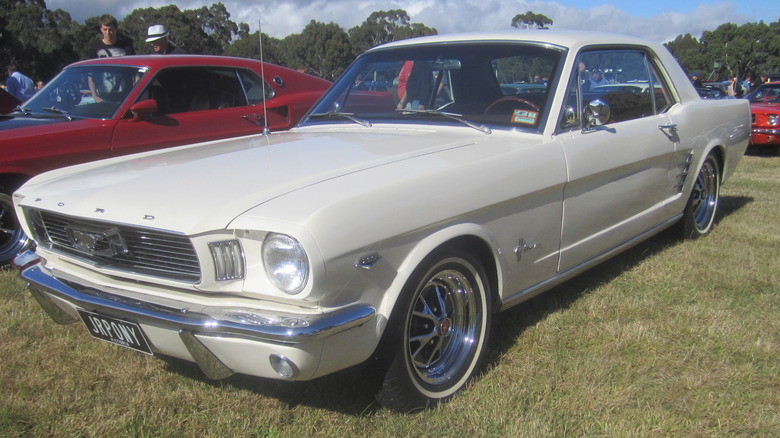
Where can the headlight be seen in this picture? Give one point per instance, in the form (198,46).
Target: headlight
(773,119)
(286,263)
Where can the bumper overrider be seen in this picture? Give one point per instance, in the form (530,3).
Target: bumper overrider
(293,347)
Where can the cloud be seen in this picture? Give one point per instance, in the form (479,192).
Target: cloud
(281,18)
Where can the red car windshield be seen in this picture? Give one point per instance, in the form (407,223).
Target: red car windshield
(94,91)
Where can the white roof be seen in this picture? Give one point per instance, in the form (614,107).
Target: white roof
(571,39)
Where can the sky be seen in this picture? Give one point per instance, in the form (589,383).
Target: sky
(657,20)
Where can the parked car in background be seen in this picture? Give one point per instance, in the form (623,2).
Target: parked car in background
(115,106)
(765,109)
(379,228)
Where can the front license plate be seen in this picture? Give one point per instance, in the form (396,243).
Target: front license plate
(116,331)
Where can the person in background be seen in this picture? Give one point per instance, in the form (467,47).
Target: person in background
(158,36)
(110,44)
(39,85)
(597,78)
(19,85)
(696,80)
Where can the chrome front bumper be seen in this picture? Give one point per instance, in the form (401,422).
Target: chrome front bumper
(51,289)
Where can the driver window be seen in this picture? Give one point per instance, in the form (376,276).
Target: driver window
(626,80)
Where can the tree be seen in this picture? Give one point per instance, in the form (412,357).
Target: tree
(689,52)
(383,27)
(321,49)
(248,46)
(529,20)
(37,39)
(740,51)
(205,31)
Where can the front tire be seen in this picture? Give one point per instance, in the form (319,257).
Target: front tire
(438,333)
(699,215)
(12,238)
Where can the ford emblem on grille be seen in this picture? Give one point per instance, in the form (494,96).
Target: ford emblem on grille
(107,242)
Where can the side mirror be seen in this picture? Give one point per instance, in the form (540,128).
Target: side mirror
(143,109)
(597,113)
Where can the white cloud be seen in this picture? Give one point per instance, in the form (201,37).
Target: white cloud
(281,18)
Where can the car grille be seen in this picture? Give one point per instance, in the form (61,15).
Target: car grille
(121,247)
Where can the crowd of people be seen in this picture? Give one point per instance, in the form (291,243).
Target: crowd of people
(735,88)
(158,37)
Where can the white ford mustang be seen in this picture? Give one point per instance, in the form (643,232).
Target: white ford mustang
(436,183)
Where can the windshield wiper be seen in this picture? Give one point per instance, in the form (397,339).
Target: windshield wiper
(453,116)
(54,109)
(25,111)
(348,116)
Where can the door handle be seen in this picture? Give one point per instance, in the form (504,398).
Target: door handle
(671,127)
(257,119)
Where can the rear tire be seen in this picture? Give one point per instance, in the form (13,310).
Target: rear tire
(699,214)
(438,333)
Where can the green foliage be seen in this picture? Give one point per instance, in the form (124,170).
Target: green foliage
(383,27)
(530,20)
(321,49)
(752,49)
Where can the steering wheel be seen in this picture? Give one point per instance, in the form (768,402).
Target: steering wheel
(66,95)
(504,99)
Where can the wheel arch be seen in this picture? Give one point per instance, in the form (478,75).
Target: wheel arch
(471,237)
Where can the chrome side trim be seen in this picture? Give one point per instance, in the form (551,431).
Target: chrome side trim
(766,131)
(45,284)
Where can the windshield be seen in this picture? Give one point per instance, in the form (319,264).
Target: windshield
(493,84)
(94,91)
(768,93)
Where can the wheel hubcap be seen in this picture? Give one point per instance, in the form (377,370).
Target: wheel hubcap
(443,327)
(705,196)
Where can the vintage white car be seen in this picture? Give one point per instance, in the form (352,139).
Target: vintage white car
(413,202)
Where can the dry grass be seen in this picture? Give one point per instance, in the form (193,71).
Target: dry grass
(670,339)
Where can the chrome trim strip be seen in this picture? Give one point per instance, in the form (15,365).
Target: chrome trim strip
(45,284)
(766,131)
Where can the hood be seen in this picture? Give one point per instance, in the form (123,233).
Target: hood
(765,107)
(203,187)
(7,102)
(12,121)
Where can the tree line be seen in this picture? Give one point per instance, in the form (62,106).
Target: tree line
(42,41)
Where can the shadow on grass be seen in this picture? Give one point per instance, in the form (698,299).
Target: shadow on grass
(351,391)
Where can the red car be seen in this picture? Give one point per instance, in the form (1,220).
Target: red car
(765,109)
(115,106)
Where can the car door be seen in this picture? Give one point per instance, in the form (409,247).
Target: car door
(619,171)
(194,104)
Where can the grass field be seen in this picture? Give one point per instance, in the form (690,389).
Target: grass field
(671,339)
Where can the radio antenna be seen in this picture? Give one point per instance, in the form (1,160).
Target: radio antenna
(266,131)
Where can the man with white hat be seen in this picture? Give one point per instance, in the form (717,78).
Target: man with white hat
(157,36)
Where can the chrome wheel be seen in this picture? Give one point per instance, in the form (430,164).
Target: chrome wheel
(442,327)
(699,215)
(439,337)
(12,238)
